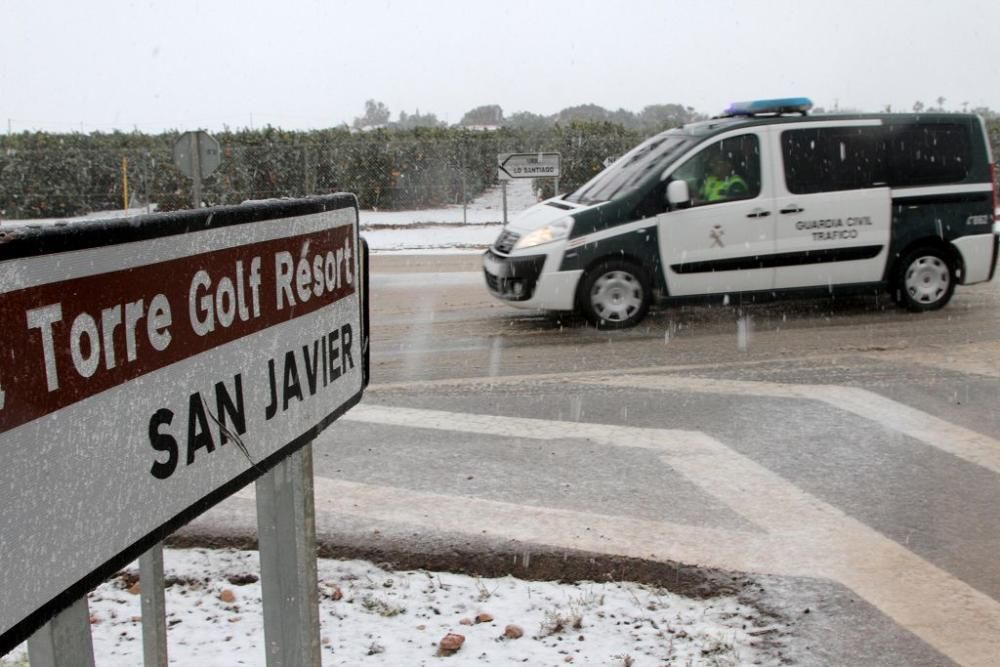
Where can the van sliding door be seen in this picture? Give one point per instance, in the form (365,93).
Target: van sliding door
(833,204)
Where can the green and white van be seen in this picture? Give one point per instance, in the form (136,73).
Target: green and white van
(762,201)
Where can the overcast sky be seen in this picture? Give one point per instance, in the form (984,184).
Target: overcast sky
(68,65)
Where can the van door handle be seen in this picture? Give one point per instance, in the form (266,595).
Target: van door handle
(794,208)
(758,213)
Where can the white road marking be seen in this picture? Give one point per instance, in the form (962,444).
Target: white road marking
(973,359)
(601,533)
(805,536)
(964,443)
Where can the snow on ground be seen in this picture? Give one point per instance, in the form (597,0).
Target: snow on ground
(371,616)
(446,229)
(439,230)
(437,239)
(487,208)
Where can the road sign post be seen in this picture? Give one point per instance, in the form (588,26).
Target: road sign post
(154,608)
(511,166)
(65,640)
(286,530)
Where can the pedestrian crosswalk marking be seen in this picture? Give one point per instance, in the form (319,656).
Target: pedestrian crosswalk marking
(959,441)
(803,535)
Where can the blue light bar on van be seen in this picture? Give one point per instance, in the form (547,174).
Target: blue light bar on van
(780,105)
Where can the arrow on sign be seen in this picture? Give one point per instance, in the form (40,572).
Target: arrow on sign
(503,166)
(527,165)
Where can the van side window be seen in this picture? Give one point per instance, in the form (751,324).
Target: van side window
(725,171)
(828,159)
(928,153)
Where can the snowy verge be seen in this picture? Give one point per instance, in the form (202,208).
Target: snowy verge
(371,616)
(439,231)
(432,239)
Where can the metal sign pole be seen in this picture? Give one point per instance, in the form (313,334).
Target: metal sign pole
(503,189)
(196,168)
(154,608)
(64,641)
(286,529)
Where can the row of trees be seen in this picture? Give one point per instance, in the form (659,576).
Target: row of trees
(377,115)
(652,118)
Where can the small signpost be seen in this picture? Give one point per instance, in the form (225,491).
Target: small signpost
(152,367)
(197,155)
(512,166)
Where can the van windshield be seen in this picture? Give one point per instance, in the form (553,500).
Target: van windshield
(628,171)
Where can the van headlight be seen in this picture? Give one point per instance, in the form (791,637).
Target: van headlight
(554,231)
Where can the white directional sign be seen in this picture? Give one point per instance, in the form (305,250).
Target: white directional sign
(527,165)
(152,368)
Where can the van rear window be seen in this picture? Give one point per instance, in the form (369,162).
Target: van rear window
(827,159)
(929,153)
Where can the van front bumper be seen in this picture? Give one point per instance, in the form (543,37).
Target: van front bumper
(529,281)
(512,278)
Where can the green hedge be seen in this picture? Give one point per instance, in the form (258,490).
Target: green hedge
(55,175)
(46,175)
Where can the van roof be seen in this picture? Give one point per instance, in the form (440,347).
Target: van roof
(716,125)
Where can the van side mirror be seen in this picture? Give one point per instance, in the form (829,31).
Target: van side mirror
(678,195)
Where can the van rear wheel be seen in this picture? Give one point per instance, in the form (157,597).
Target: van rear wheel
(615,294)
(925,280)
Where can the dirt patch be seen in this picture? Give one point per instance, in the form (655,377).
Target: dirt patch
(529,562)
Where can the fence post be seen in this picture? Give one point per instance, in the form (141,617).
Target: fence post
(286,530)
(465,201)
(311,161)
(154,608)
(124,183)
(64,641)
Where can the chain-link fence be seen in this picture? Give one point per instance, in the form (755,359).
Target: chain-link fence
(44,175)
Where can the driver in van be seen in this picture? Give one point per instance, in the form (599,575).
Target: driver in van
(721,182)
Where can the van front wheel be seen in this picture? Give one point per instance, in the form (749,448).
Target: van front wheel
(615,294)
(925,280)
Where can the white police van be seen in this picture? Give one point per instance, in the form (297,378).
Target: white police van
(762,201)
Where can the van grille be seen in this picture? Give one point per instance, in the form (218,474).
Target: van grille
(505,242)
